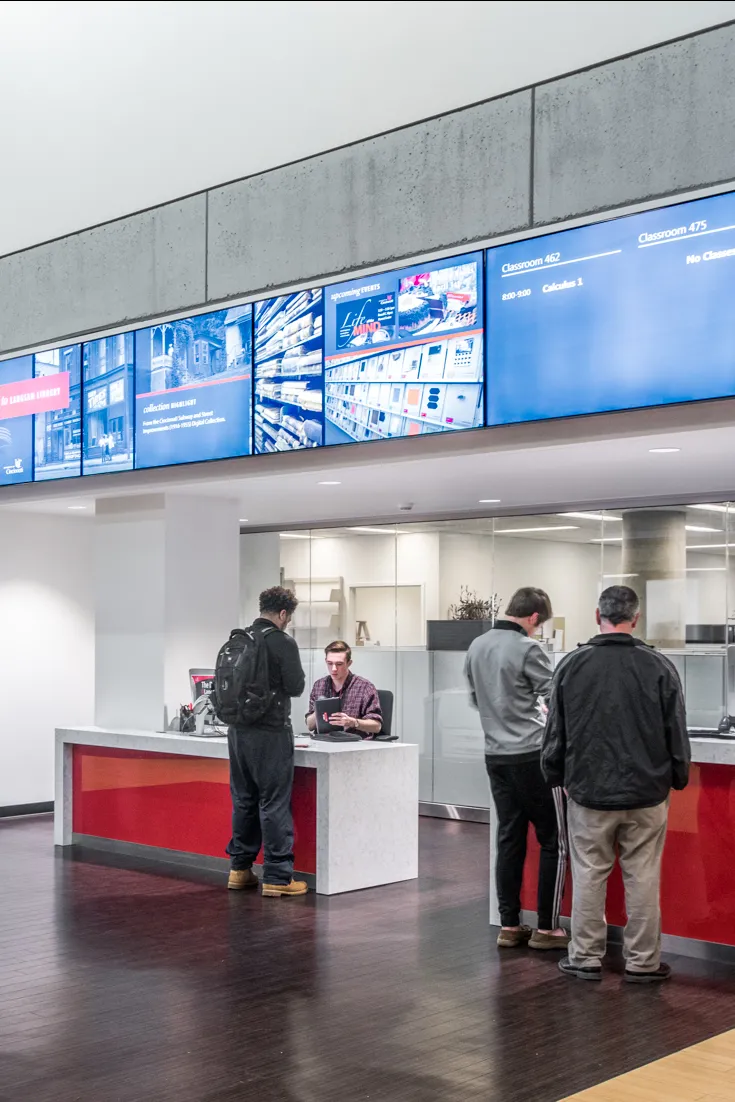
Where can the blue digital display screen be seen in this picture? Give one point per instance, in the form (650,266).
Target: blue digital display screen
(289,372)
(193,385)
(622,314)
(16,426)
(403,351)
(58,431)
(107,400)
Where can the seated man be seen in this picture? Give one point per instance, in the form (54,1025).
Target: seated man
(360,704)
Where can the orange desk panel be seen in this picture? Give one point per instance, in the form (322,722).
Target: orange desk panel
(173,802)
(698,872)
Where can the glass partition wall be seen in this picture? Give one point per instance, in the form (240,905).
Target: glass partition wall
(409,598)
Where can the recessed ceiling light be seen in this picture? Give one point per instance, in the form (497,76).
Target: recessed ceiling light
(608,539)
(376,531)
(710,508)
(707,546)
(329,483)
(663,451)
(700,528)
(545,528)
(620,575)
(705,569)
(489,501)
(589,516)
(295,535)
(76,507)
(243,520)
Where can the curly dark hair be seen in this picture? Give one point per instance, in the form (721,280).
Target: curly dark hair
(277,599)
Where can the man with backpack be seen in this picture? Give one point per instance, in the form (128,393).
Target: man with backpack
(258,671)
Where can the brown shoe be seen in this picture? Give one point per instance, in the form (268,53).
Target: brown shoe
(241,879)
(296,887)
(511,939)
(548,941)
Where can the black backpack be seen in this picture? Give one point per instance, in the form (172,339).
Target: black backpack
(242,693)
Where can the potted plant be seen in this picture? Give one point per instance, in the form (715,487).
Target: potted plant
(469,617)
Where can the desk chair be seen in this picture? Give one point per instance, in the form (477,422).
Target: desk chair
(385,696)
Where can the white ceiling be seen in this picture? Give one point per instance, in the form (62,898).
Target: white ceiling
(556,467)
(110,108)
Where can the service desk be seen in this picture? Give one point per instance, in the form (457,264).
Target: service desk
(167,797)
(698,871)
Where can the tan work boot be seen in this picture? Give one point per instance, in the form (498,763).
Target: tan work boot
(296,887)
(241,879)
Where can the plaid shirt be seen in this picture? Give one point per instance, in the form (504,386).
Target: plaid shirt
(359,697)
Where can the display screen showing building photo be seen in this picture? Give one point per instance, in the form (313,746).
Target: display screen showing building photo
(627,313)
(58,431)
(403,351)
(20,397)
(289,353)
(108,371)
(193,380)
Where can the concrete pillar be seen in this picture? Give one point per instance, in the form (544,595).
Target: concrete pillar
(166,596)
(654,564)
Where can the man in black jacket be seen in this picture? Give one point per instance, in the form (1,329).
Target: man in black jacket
(616,738)
(261,763)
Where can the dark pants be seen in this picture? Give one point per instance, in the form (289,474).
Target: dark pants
(261,779)
(522,796)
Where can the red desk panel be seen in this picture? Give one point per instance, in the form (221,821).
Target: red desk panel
(698,873)
(173,802)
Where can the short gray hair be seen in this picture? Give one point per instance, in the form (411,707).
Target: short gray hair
(618,604)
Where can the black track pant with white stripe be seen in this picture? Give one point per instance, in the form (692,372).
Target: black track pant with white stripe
(522,796)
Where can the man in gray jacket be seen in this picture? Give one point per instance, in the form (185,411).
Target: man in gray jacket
(509,676)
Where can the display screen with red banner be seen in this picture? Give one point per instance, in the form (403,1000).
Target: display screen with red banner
(17,398)
(56,402)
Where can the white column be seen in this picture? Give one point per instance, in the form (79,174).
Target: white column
(166,594)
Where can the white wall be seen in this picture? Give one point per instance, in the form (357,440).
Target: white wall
(109,108)
(46,646)
(260,569)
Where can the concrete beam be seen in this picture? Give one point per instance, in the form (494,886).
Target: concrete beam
(445,182)
(646,126)
(145,264)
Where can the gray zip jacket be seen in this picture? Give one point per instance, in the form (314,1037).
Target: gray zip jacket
(507,674)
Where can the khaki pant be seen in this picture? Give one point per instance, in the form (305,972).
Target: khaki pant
(595,839)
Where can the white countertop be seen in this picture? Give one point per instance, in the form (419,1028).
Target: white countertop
(307,751)
(713,751)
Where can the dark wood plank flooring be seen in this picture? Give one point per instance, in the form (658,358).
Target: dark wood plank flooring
(120,984)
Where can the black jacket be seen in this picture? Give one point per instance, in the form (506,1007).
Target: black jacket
(616,736)
(285,672)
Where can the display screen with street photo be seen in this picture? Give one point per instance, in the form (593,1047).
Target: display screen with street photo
(289,354)
(58,431)
(107,398)
(20,397)
(193,380)
(404,351)
(622,314)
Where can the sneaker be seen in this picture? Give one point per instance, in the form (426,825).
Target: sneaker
(548,941)
(662,973)
(296,887)
(586,973)
(511,939)
(241,879)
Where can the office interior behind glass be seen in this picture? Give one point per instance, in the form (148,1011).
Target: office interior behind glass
(409,598)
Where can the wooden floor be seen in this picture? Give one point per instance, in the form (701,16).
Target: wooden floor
(121,985)
(705,1073)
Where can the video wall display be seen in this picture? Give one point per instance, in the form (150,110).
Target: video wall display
(404,351)
(58,428)
(20,395)
(193,388)
(289,355)
(108,372)
(627,313)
